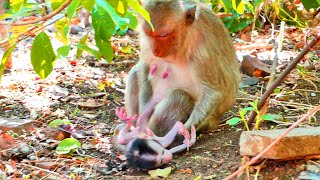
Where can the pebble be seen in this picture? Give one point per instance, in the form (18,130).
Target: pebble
(33,157)
(25,149)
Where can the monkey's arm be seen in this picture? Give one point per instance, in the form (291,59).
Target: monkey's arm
(145,92)
(205,108)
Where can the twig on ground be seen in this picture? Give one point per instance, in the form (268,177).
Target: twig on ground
(41,169)
(277,49)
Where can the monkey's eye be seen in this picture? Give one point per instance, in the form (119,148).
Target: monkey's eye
(163,34)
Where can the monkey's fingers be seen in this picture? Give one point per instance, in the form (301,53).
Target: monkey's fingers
(193,135)
(184,146)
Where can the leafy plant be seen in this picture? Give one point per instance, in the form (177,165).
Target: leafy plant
(234,121)
(108,17)
(243,112)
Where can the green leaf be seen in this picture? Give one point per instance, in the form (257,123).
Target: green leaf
(83,42)
(55,4)
(309,4)
(57,122)
(244,111)
(62,29)
(239,25)
(133,19)
(4,16)
(227,5)
(160,172)
(272,117)
(233,121)
(17,4)
(67,145)
(254,104)
(135,5)
(122,7)
(121,22)
(88,4)
(84,47)
(257,3)
(42,55)
(249,5)
(105,48)
(72,8)
(63,51)
(5,58)
(238,6)
(277,90)
(102,23)
(248,109)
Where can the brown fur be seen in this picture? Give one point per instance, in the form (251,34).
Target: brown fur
(202,67)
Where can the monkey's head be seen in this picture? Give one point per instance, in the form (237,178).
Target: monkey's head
(171,20)
(147,154)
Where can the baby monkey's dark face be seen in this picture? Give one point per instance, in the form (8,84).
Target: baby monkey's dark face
(147,154)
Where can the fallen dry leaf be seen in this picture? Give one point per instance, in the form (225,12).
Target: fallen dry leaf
(6,141)
(187,171)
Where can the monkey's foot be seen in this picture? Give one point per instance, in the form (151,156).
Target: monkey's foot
(121,113)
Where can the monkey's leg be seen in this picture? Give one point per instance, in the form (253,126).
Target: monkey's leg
(176,107)
(132,92)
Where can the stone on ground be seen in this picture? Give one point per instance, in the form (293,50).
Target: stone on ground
(298,143)
(16,125)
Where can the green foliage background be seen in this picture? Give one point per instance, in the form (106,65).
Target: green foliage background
(110,16)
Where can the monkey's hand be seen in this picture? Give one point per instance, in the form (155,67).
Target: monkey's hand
(184,146)
(182,130)
(121,113)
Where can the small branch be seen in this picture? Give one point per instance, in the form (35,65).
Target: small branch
(281,77)
(49,16)
(278,49)
(45,170)
(253,160)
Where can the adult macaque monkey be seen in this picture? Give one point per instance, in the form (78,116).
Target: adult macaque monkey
(187,71)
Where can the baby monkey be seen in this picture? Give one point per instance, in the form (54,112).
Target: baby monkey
(145,150)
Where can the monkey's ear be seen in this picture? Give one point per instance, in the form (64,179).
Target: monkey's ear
(190,14)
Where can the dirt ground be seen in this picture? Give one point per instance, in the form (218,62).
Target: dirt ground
(214,156)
